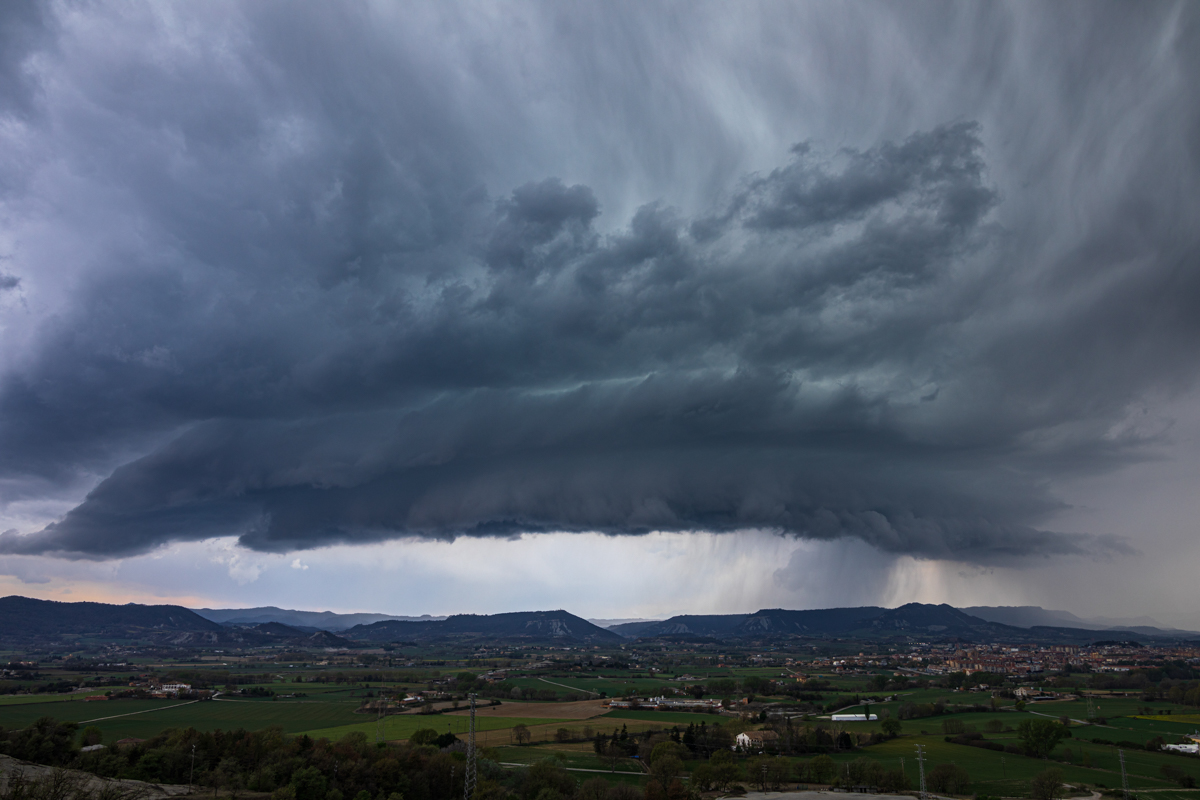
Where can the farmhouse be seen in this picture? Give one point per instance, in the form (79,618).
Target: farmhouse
(755,740)
(666,704)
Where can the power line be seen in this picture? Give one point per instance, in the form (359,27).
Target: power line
(1124,776)
(921,768)
(469,785)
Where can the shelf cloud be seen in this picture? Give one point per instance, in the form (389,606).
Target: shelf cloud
(273,273)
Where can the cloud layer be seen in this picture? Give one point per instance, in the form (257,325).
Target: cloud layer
(264,276)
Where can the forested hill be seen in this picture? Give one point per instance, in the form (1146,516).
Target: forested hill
(922,620)
(22,617)
(516,625)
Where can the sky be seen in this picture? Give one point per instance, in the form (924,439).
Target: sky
(629,309)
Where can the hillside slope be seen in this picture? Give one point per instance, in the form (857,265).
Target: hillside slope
(536,625)
(25,617)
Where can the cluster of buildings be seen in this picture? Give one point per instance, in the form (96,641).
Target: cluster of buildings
(1192,746)
(151,687)
(666,704)
(1030,659)
(156,688)
(1006,659)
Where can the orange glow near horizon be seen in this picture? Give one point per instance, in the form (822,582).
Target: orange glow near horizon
(96,592)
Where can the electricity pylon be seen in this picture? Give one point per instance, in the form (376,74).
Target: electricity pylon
(1124,777)
(921,768)
(469,784)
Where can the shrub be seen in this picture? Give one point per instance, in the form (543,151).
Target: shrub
(1040,736)
(1047,784)
(1174,773)
(949,779)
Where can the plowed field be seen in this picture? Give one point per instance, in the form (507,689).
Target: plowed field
(582,709)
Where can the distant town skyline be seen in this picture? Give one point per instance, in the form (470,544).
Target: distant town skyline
(437,308)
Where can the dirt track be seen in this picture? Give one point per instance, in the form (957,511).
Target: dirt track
(582,709)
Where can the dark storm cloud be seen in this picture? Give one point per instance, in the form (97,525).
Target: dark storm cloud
(23,30)
(323,329)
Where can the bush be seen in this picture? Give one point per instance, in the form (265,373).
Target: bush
(1174,773)
(423,736)
(1040,736)
(667,748)
(894,781)
(976,740)
(703,777)
(1047,784)
(309,784)
(949,779)
(821,768)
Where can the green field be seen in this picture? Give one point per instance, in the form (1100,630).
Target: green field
(142,719)
(1187,719)
(1008,774)
(26,699)
(1134,730)
(667,717)
(570,759)
(329,713)
(613,687)
(1107,707)
(402,726)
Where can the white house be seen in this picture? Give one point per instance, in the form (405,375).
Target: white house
(753,741)
(854,718)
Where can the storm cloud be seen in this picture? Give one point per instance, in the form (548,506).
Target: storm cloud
(314,277)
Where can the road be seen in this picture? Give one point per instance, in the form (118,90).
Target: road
(133,713)
(577,769)
(572,688)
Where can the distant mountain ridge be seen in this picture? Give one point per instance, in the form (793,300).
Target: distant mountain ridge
(608,623)
(557,624)
(913,619)
(312,620)
(26,617)
(1032,616)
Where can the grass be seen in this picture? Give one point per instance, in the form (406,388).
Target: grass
(1008,774)
(1188,719)
(580,684)
(402,726)
(667,717)
(1108,707)
(574,758)
(1134,730)
(22,715)
(145,718)
(41,699)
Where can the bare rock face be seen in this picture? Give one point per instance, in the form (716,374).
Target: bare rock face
(56,783)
